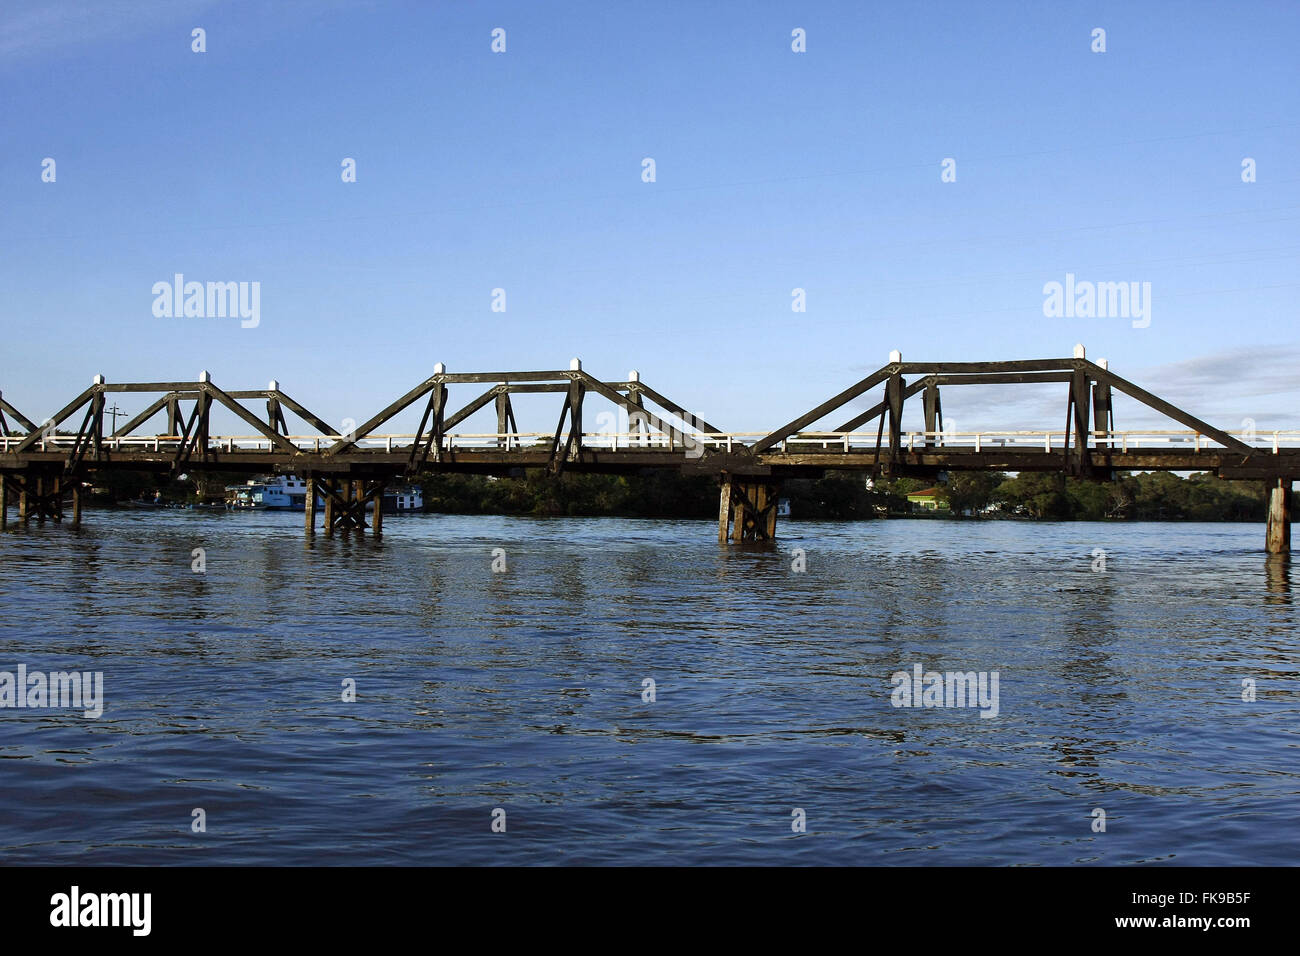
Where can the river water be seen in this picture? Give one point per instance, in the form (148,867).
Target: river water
(519,696)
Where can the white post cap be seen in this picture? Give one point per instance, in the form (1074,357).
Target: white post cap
(1080,351)
(575,365)
(634,376)
(274,386)
(439,369)
(1103,363)
(895,356)
(99,380)
(204,376)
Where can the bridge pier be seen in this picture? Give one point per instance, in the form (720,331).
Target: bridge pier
(747,509)
(1278,537)
(345,504)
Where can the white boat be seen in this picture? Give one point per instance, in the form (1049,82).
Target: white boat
(289,493)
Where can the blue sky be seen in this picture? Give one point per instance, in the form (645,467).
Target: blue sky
(775,170)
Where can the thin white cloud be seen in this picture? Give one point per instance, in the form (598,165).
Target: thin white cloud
(55,25)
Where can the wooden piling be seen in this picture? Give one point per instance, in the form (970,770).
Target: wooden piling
(377,523)
(738,513)
(4,502)
(309,506)
(329,507)
(24,500)
(724,510)
(76,504)
(1278,538)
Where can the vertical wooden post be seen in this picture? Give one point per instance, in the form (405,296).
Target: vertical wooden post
(724,509)
(739,492)
(309,506)
(329,506)
(439,399)
(24,500)
(773,499)
(503,418)
(576,392)
(38,491)
(1278,539)
(359,503)
(931,402)
(1079,400)
(894,395)
(377,523)
(4,502)
(76,504)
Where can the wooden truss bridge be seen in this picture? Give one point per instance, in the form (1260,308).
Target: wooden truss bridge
(44,465)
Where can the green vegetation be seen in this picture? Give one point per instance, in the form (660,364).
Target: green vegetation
(1155,496)
(1148,496)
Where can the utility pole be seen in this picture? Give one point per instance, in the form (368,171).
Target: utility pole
(115,411)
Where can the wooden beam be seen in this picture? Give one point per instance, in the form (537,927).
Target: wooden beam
(149,412)
(601,388)
(365,429)
(1019,365)
(853,424)
(1079,395)
(18,416)
(1002,378)
(455,419)
(35,436)
(669,405)
(1172,411)
(825,408)
(279,440)
(499,377)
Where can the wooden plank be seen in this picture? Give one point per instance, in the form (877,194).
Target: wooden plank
(500,377)
(1002,378)
(1018,365)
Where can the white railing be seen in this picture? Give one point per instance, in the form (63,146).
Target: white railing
(843,442)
